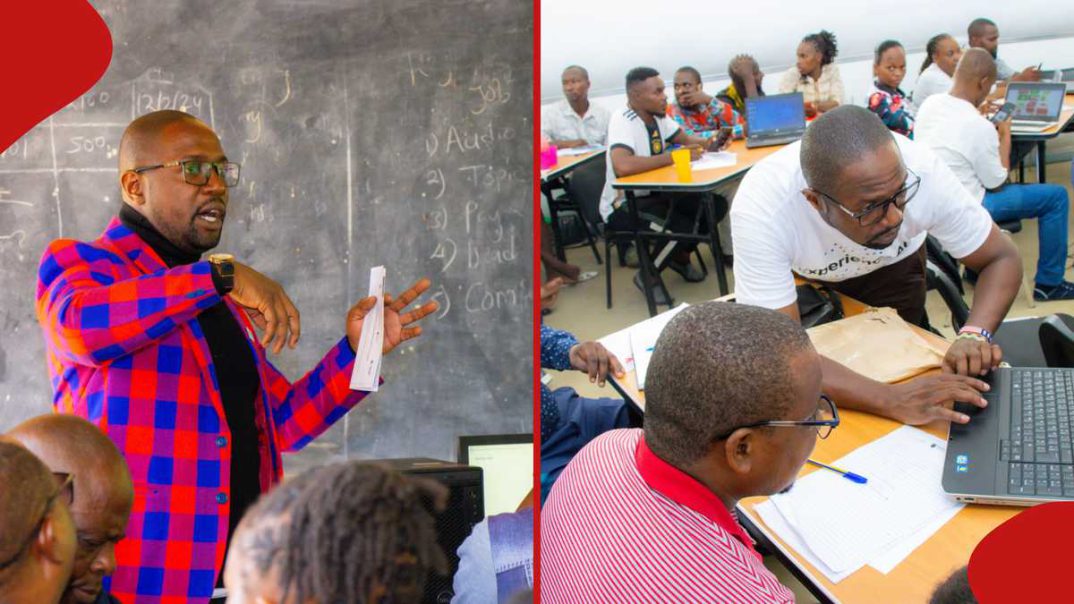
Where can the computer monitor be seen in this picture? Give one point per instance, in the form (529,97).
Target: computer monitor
(507,464)
(775,113)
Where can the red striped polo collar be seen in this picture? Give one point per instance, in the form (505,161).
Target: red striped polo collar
(685,490)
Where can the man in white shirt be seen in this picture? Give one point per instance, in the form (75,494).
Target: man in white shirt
(574,121)
(978,153)
(850,205)
(984,34)
(640,138)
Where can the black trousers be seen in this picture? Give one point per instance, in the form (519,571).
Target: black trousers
(676,213)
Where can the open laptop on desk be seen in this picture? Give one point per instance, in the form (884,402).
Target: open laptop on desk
(1037,105)
(776,119)
(1017,450)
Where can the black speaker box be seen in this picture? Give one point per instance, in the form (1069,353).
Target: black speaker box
(465,508)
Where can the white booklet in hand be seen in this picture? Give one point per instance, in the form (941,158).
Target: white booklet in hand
(366,373)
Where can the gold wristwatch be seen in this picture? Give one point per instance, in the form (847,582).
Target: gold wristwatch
(225,269)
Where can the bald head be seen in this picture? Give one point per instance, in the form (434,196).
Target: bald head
(975,64)
(143,136)
(72,445)
(837,139)
(22,507)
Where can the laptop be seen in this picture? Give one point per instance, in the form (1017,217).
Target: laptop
(507,463)
(776,119)
(1018,449)
(1037,105)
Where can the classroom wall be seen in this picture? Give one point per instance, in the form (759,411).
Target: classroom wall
(609,39)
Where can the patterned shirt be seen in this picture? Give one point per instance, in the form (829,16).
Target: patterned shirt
(555,354)
(893,107)
(126,351)
(828,88)
(707,121)
(623,525)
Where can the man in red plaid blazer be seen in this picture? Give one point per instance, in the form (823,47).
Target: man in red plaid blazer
(157,347)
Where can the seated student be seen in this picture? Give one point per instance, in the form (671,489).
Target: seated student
(886,99)
(815,75)
(978,152)
(984,34)
(850,205)
(698,113)
(640,137)
(347,533)
(746,76)
(102,501)
(496,560)
(37,537)
(942,53)
(647,515)
(568,420)
(574,121)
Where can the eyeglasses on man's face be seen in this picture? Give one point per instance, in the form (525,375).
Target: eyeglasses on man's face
(875,212)
(824,419)
(197,172)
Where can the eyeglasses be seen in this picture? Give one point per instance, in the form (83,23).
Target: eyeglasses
(876,212)
(65,491)
(824,419)
(196,172)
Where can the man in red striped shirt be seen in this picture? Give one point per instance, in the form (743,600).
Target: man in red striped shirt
(733,409)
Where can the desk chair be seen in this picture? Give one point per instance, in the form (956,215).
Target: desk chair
(941,274)
(578,195)
(1037,341)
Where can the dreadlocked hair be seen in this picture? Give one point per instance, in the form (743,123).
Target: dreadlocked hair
(342,533)
(931,47)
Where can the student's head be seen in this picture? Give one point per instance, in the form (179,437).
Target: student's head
(102,493)
(742,64)
(974,76)
(943,50)
(687,81)
(954,590)
(348,533)
(889,63)
(852,164)
(576,83)
(37,537)
(710,375)
(815,51)
(185,204)
(645,91)
(983,33)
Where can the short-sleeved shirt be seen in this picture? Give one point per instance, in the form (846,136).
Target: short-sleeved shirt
(559,122)
(777,231)
(626,129)
(965,140)
(706,120)
(623,525)
(829,87)
(931,81)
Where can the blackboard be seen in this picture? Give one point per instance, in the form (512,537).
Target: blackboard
(394,132)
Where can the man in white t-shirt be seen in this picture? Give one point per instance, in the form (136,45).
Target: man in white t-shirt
(574,121)
(978,152)
(850,205)
(640,138)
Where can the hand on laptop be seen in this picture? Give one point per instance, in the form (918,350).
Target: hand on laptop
(925,399)
(593,358)
(972,356)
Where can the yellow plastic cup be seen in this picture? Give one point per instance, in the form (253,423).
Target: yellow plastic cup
(681,159)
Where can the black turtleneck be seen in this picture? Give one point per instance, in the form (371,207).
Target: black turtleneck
(236,372)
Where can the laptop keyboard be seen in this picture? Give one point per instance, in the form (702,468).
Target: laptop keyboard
(1039,452)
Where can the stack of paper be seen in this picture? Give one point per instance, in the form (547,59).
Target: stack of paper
(572,151)
(717,159)
(643,338)
(366,373)
(619,343)
(840,526)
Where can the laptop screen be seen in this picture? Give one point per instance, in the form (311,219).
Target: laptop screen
(506,461)
(775,113)
(1036,102)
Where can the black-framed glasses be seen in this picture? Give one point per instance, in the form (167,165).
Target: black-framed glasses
(65,490)
(874,213)
(196,172)
(824,419)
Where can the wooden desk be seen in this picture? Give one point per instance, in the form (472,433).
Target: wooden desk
(914,579)
(702,181)
(552,179)
(1066,124)
(568,163)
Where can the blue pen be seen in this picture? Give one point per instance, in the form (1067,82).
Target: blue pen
(851,476)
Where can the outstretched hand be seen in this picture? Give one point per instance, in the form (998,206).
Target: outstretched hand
(398,328)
